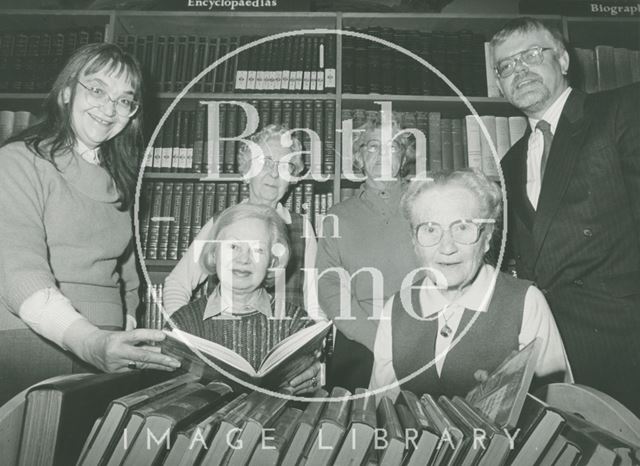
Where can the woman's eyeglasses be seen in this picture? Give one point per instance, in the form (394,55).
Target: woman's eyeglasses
(280,166)
(96,96)
(464,231)
(532,56)
(374,146)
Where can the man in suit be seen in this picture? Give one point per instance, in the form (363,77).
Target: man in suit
(573,195)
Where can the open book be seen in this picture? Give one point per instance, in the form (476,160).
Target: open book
(284,361)
(502,395)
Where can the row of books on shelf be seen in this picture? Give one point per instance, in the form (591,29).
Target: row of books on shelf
(30,60)
(153,304)
(174,212)
(605,67)
(452,143)
(145,418)
(182,142)
(12,123)
(294,64)
(371,67)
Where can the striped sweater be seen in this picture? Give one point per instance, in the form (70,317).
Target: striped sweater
(252,335)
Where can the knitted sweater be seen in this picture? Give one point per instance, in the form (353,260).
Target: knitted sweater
(370,232)
(62,228)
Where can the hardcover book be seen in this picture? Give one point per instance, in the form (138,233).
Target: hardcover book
(284,360)
(502,395)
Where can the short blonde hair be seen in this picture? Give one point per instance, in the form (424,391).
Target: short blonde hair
(263,136)
(275,225)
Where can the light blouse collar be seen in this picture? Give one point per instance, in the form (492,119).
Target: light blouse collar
(220,304)
(473,298)
(88,155)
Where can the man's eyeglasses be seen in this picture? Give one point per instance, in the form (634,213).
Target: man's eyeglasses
(533,56)
(464,231)
(96,96)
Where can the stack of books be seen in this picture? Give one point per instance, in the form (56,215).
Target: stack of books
(121,419)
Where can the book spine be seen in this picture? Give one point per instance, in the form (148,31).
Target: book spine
(154,223)
(199,140)
(221,197)
(447,143)
(474,149)
(163,236)
(434,159)
(185,219)
(329,153)
(174,223)
(176,162)
(197,214)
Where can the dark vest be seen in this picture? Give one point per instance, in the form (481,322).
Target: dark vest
(492,337)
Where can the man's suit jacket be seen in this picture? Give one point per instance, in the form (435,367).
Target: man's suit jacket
(582,244)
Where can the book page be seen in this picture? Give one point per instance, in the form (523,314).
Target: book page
(213,350)
(292,344)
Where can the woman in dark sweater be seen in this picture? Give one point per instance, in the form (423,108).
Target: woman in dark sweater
(246,249)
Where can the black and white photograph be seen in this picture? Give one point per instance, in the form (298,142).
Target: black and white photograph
(319,232)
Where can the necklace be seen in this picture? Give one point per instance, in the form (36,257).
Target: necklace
(446,331)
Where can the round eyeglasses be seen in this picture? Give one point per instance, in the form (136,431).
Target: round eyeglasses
(532,56)
(280,166)
(464,231)
(96,96)
(374,146)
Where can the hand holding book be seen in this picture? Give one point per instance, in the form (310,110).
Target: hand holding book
(115,351)
(309,379)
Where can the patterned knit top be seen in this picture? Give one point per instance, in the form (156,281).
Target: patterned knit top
(252,335)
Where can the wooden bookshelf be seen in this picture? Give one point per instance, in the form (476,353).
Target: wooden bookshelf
(120,26)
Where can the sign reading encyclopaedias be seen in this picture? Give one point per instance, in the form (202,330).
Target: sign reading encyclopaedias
(246,5)
(581,8)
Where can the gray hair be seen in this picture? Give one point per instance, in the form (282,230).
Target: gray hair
(524,24)
(263,136)
(485,190)
(361,139)
(275,225)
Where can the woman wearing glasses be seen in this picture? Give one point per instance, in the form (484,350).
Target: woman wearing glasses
(67,271)
(369,239)
(269,175)
(452,218)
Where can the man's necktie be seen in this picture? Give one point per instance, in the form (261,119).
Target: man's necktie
(545,129)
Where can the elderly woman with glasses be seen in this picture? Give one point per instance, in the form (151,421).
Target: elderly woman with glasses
(269,173)
(68,278)
(367,237)
(462,318)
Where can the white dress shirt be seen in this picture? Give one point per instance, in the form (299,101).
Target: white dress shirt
(535,147)
(537,322)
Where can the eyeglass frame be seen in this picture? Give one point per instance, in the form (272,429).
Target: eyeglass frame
(478,222)
(90,94)
(268,164)
(518,58)
(395,146)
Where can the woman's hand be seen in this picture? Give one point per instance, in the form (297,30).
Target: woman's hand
(117,351)
(309,380)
